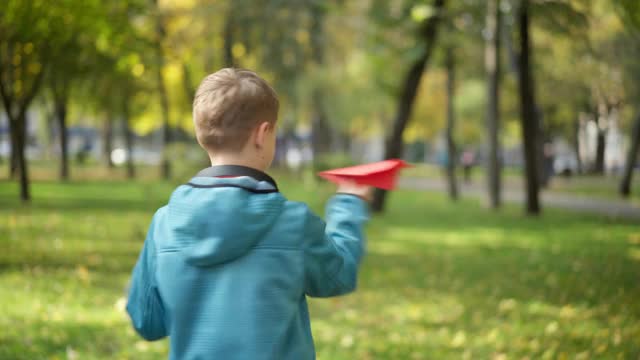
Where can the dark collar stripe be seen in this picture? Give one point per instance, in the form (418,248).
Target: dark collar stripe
(236,171)
(255,191)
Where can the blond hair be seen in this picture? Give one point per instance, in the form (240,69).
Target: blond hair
(228,105)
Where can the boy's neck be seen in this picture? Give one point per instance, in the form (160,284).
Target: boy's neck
(232,159)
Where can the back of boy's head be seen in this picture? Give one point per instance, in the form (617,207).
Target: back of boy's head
(228,105)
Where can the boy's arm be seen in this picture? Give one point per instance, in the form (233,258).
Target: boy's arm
(334,249)
(144,304)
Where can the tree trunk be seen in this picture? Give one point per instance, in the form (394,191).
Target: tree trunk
(162,90)
(506,31)
(598,166)
(625,184)
(16,106)
(492,65)
(166,133)
(543,173)
(189,89)
(128,137)
(50,126)
(528,116)
(452,154)
(394,144)
(18,134)
(61,116)
(229,24)
(340,141)
(13,155)
(107,135)
(576,144)
(25,193)
(17,131)
(320,130)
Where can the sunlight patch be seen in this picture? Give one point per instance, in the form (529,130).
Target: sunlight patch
(389,248)
(634,254)
(492,237)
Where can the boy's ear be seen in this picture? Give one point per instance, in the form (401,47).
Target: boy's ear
(262,131)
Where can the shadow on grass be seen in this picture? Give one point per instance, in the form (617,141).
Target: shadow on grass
(117,261)
(84,205)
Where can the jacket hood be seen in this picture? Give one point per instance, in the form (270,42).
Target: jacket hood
(216,220)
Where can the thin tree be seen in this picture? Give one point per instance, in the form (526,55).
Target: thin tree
(69,62)
(72,57)
(187,83)
(601,137)
(229,36)
(394,146)
(629,11)
(28,73)
(575,142)
(528,115)
(107,138)
(320,131)
(452,153)
(632,158)
(22,66)
(60,88)
(160,35)
(128,135)
(492,67)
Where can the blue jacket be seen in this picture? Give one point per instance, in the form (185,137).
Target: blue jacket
(228,263)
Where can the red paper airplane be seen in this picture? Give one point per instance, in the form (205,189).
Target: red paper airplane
(382,174)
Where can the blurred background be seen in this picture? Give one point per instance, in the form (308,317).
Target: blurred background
(513,237)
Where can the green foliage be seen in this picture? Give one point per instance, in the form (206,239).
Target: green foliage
(626,47)
(354,52)
(560,16)
(440,281)
(332,161)
(469,106)
(629,11)
(24,28)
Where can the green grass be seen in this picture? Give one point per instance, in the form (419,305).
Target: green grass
(440,281)
(595,186)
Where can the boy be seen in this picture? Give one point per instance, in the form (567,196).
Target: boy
(228,263)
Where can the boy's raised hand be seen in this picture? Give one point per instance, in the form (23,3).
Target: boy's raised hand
(351,187)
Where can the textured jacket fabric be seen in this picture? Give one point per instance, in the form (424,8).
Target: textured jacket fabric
(228,263)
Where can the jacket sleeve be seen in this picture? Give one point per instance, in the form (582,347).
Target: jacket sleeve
(333,250)
(145,304)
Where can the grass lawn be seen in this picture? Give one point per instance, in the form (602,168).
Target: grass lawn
(594,186)
(441,280)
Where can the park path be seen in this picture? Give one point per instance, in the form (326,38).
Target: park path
(513,193)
